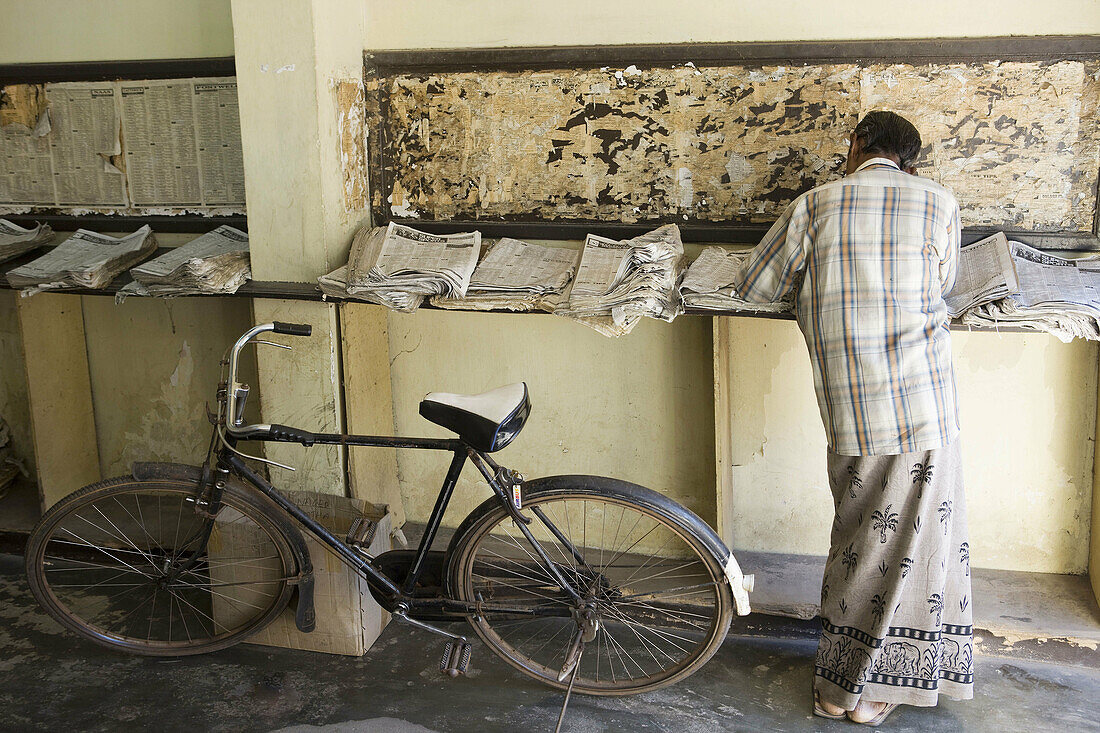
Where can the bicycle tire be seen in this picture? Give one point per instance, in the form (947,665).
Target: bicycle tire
(489,533)
(119,507)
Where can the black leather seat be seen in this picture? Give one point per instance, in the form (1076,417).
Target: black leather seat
(487,421)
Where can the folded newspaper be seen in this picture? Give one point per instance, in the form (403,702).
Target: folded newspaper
(1057,295)
(516,276)
(619,282)
(708,284)
(399,266)
(335,284)
(84,260)
(985,273)
(16,241)
(216,262)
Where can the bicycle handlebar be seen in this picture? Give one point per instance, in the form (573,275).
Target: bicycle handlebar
(237,392)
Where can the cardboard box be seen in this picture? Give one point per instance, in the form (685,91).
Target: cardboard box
(349,620)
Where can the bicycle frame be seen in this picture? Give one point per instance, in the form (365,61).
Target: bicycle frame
(229,462)
(229,428)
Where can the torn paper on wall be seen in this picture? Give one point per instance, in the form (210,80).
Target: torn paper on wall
(1018,142)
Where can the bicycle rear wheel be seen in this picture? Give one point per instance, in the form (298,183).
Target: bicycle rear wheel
(123,563)
(657,591)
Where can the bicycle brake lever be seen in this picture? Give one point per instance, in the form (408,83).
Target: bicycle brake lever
(271,343)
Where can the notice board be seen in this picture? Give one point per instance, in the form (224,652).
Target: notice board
(485,137)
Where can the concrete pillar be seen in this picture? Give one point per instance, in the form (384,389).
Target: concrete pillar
(299,76)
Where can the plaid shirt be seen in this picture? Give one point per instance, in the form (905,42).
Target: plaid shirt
(871,257)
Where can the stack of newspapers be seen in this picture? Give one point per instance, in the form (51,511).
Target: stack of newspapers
(216,262)
(398,266)
(619,282)
(985,272)
(84,260)
(708,284)
(516,276)
(1053,294)
(16,241)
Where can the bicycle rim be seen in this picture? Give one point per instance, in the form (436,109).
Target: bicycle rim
(123,563)
(661,599)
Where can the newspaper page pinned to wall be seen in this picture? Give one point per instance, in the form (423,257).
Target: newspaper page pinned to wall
(150,144)
(85,142)
(183,142)
(26,173)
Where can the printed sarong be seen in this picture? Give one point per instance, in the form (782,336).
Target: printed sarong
(895,598)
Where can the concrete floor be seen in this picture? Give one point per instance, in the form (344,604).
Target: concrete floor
(50,680)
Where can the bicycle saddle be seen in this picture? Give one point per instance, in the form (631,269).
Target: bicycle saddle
(487,421)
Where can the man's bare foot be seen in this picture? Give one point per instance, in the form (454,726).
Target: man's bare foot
(827,710)
(871,713)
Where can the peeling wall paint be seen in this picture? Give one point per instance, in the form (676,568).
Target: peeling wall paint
(350,109)
(22,104)
(1017,141)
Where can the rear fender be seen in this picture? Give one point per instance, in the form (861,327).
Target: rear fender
(740,584)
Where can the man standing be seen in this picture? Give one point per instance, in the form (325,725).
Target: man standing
(870,258)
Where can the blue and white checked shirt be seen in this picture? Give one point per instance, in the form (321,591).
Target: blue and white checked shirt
(872,256)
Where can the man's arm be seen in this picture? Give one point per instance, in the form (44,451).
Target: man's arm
(773,266)
(949,261)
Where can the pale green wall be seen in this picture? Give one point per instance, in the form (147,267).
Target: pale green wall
(1028,411)
(13,382)
(40,31)
(444,24)
(637,408)
(153,364)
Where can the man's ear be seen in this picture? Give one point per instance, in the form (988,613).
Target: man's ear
(855,145)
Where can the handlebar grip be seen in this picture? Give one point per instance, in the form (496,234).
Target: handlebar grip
(286,434)
(293,329)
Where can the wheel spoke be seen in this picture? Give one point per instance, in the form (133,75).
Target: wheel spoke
(105,565)
(646,580)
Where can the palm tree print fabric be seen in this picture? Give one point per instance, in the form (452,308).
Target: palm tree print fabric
(895,600)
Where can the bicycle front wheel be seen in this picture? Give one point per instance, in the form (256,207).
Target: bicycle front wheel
(656,598)
(142,566)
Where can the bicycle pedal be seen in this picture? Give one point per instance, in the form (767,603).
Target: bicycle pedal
(361,533)
(456,659)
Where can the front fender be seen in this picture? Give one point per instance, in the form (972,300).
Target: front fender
(305,617)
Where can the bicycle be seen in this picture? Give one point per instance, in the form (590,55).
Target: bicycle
(612,586)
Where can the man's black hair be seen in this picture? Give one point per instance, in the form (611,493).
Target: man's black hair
(890,134)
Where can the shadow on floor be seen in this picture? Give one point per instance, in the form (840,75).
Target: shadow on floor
(51,680)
